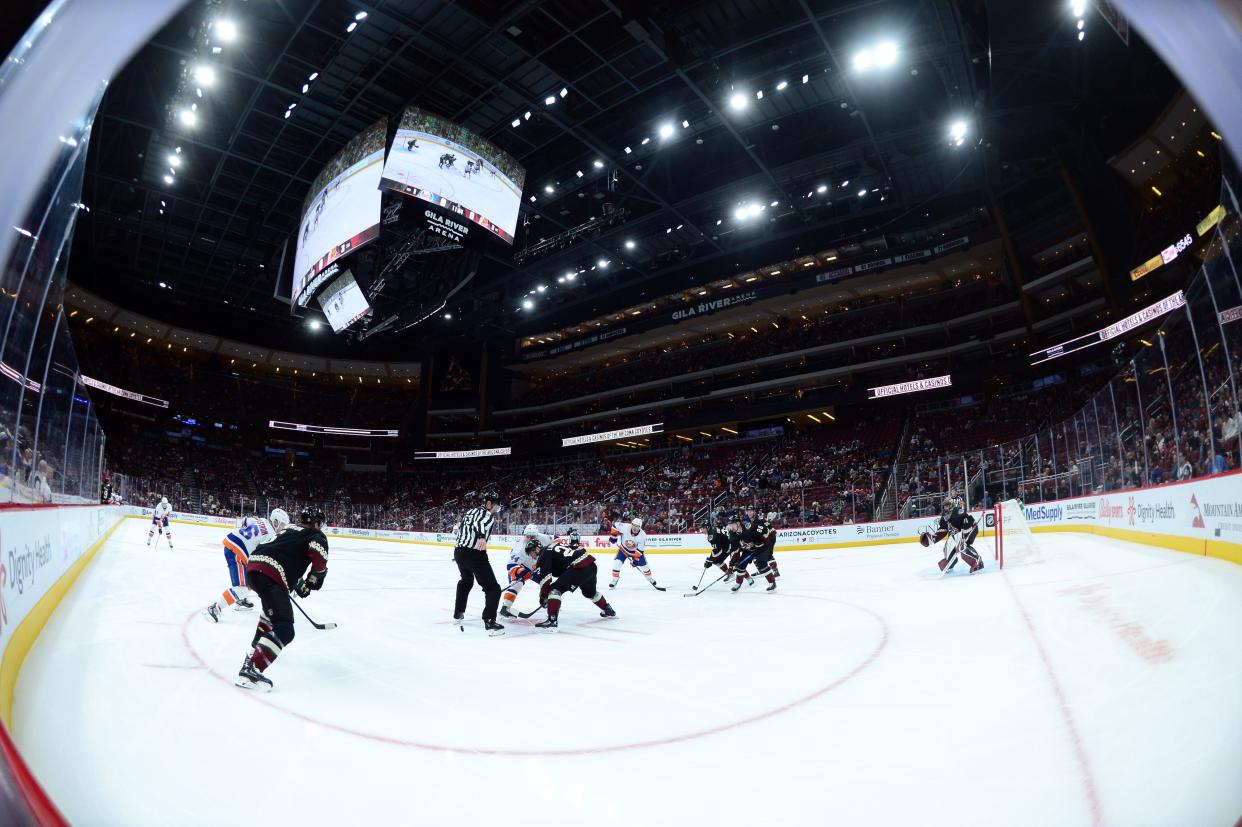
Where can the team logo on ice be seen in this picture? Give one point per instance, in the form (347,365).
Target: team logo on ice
(1197,522)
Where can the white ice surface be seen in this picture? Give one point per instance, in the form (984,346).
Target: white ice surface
(866,690)
(481,192)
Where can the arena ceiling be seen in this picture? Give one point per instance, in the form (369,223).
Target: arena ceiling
(1014,73)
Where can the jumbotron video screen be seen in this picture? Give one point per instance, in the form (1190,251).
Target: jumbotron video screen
(446,164)
(341,212)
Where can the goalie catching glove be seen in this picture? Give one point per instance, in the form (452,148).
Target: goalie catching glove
(927,537)
(312,582)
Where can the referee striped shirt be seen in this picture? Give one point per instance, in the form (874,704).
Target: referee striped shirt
(475,526)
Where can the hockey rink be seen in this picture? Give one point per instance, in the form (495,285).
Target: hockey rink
(1102,686)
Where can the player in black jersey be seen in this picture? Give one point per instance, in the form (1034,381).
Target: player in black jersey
(563,568)
(274,570)
(957,523)
(724,533)
(759,541)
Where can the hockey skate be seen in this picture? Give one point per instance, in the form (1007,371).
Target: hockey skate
(737,587)
(505,612)
(251,678)
(243,605)
(613,584)
(771,587)
(493,628)
(460,620)
(608,611)
(212,613)
(548,625)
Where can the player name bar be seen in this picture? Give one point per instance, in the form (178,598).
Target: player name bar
(329,429)
(606,436)
(470,454)
(1114,330)
(909,387)
(121,392)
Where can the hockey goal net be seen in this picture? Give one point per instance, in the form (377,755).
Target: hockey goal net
(1015,544)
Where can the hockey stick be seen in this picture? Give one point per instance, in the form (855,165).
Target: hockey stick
(531,613)
(298,606)
(741,564)
(695,587)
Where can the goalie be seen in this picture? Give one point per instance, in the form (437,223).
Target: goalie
(961,529)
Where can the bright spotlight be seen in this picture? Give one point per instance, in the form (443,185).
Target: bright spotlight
(602,264)
(863,60)
(312,77)
(526,116)
(685,124)
(957,133)
(305,88)
(516,122)
(528,304)
(564,91)
(226,30)
(666,130)
(862,193)
(741,213)
(571,276)
(548,189)
(1078,7)
(738,101)
(174,160)
(549,100)
(188,117)
(360,16)
(1081,35)
(821,189)
(629,244)
(780,87)
(353,25)
(886,54)
(313,324)
(598,164)
(168,179)
(543,288)
(448,317)
(204,75)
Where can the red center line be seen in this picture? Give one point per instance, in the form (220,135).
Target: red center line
(1080,752)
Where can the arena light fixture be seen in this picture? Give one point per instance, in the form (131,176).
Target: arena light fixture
(602,264)
(644,141)
(564,91)
(312,77)
(628,150)
(759,95)
(168,179)
(1081,35)
(1078,7)
(204,75)
(685,124)
(578,174)
(215,50)
(666,131)
(527,304)
(360,16)
(288,112)
(821,189)
(886,54)
(863,60)
(313,324)
(543,288)
(738,101)
(549,100)
(629,244)
(174,160)
(188,117)
(305,88)
(448,317)
(780,87)
(226,30)
(526,115)
(862,193)
(548,188)
(571,277)
(806,78)
(352,25)
(516,122)
(957,132)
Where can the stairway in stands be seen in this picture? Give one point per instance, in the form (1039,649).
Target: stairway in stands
(889,500)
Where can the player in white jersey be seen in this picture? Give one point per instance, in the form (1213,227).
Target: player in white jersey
(521,565)
(239,544)
(159,521)
(631,543)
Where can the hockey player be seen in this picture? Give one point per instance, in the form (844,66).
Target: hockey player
(631,543)
(955,522)
(239,544)
(724,533)
(772,518)
(759,541)
(274,570)
(561,569)
(159,521)
(521,565)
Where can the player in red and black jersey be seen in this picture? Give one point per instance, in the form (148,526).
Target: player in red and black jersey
(562,568)
(274,570)
(759,541)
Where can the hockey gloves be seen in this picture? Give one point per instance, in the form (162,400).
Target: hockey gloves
(312,582)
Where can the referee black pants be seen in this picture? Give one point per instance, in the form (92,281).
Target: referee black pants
(473,566)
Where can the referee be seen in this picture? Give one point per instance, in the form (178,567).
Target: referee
(470,555)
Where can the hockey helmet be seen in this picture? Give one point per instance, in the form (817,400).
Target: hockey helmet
(637,522)
(950,506)
(574,538)
(163,500)
(530,530)
(279,519)
(313,515)
(490,496)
